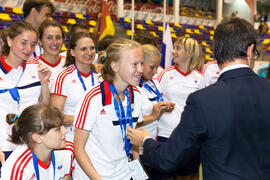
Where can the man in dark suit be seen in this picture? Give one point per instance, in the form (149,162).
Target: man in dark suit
(228,123)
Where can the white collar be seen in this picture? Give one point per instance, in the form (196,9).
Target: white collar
(231,67)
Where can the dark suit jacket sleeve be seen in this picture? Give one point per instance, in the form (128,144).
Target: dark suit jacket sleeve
(184,142)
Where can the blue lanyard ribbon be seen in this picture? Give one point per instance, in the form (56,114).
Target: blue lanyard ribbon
(81,79)
(14,91)
(120,112)
(35,162)
(151,90)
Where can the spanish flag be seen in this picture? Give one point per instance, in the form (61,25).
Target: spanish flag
(106,25)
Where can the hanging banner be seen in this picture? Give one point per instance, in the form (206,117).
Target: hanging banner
(144,7)
(90,7)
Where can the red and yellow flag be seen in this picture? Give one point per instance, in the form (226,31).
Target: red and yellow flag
(106,24)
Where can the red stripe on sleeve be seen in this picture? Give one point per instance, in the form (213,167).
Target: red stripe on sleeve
(60,78)
(84,117)
(160,75)
(84,107)
(21,159)
(22,170)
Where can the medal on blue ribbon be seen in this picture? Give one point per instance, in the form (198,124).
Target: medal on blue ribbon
(151,90)
(123,118)
(81,79)
(35,163)
(14,91)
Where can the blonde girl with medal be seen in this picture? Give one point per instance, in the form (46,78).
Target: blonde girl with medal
(101,147)
(22,82)
(78,76)
(42,152)
(153,102)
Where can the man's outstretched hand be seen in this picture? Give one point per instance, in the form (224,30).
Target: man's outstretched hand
(137,136)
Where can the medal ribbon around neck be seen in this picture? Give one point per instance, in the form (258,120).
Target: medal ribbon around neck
(122,117)
(81,79)
(35,162)
(151,90)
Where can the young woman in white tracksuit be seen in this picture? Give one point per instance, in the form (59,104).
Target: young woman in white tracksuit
(42,151)
(101,147)
(51,36)
(22,82)
(78,76)
(176,83)
(153,102)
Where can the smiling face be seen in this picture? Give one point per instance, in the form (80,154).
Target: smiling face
(150,67)
(54,138)
(23,45)
(84,51)
(52,41)
(130,66)
(179,54)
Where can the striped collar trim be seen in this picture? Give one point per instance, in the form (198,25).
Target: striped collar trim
(4,66)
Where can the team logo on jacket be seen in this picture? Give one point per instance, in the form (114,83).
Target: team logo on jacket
(195,79)
(32,74)
(102,111)
(59,165)
(73,81)
(1,79)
